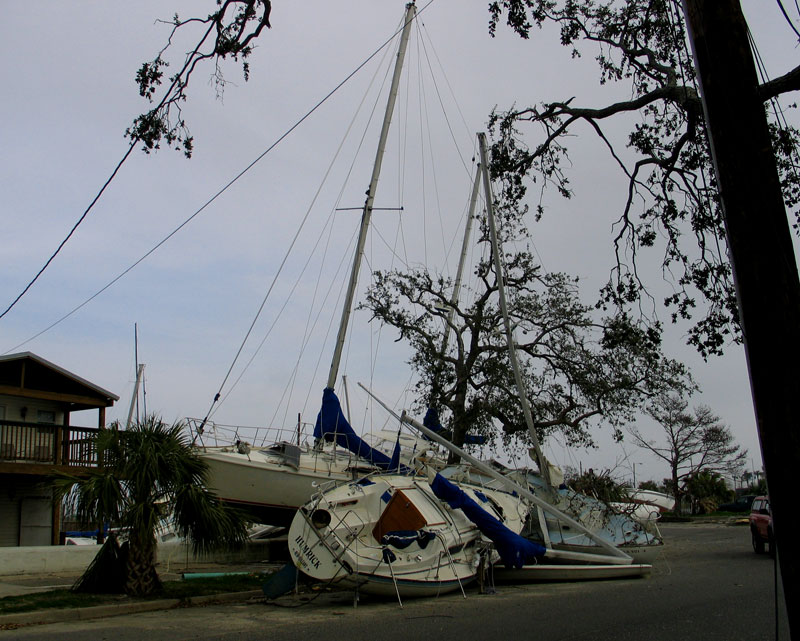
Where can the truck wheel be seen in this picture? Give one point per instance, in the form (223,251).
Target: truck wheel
(758,544)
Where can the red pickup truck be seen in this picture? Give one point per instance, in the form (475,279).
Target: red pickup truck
(761,525)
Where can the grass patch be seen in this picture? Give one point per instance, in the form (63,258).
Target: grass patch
(216,585)
(171,590)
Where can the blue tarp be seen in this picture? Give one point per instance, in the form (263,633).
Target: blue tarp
(431,421)
(401,539)
(333,426)
(514,550)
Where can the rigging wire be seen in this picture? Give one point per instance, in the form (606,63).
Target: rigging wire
(328,225)
(470,134)
(285,399)
(247,335)
(71,231)
(213,198)
(332,319)
(435,181)
(788,19)
(421,112)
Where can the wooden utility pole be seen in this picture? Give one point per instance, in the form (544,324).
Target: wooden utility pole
(760,249)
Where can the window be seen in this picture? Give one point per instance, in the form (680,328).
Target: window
(46,417)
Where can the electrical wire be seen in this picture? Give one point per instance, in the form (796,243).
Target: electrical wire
(206,204)
(788,19)
(312,253)
(135,141)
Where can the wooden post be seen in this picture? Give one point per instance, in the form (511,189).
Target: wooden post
(61,432)
(760,246)
(55,536)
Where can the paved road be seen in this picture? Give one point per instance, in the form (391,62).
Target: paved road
(708,585)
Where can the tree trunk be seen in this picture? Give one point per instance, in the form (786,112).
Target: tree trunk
(142,578)
(677,491)
(458,408)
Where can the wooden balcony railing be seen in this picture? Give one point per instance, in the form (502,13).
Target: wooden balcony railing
(47,444)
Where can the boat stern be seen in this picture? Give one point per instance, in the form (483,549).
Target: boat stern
(314,547)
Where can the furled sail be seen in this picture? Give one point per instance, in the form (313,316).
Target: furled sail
(333,426)
(514,550)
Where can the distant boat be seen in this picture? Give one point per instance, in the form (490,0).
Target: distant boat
(659,500)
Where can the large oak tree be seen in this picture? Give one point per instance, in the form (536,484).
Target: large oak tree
(672,204)
(580,369)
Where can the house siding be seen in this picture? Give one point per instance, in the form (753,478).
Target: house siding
(26,506)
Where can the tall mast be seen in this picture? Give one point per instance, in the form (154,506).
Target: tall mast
(544,470)
(411,10)
(463,258)
(435,386)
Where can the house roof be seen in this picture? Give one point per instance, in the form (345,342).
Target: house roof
(29,375)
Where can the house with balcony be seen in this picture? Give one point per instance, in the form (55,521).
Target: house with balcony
(37,440)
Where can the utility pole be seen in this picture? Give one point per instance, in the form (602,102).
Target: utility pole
(760,250)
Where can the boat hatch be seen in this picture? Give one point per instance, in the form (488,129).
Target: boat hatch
(400,513)
(290,453)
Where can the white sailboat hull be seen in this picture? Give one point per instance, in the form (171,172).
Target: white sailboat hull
(269,487)
(339,537)
(662,502)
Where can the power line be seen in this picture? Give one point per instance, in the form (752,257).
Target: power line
(198,211)
(134,141)
(788,19)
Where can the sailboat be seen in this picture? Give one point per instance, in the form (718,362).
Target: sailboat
(272,482)
(434,532)
(396,535)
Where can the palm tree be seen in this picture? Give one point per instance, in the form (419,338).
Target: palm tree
(146,474)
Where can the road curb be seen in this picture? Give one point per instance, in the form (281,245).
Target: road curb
(60,615)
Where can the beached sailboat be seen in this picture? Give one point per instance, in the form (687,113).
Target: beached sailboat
(374,534)
(395,535)
(427,534)
(598,546)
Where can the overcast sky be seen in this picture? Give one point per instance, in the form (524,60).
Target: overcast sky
(69,94)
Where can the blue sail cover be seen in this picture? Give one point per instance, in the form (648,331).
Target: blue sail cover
(431,421)
(333,426)
(514,550)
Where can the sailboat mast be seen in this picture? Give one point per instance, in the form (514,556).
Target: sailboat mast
(411,10)
(462,259)
(544,470)
(139,375)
